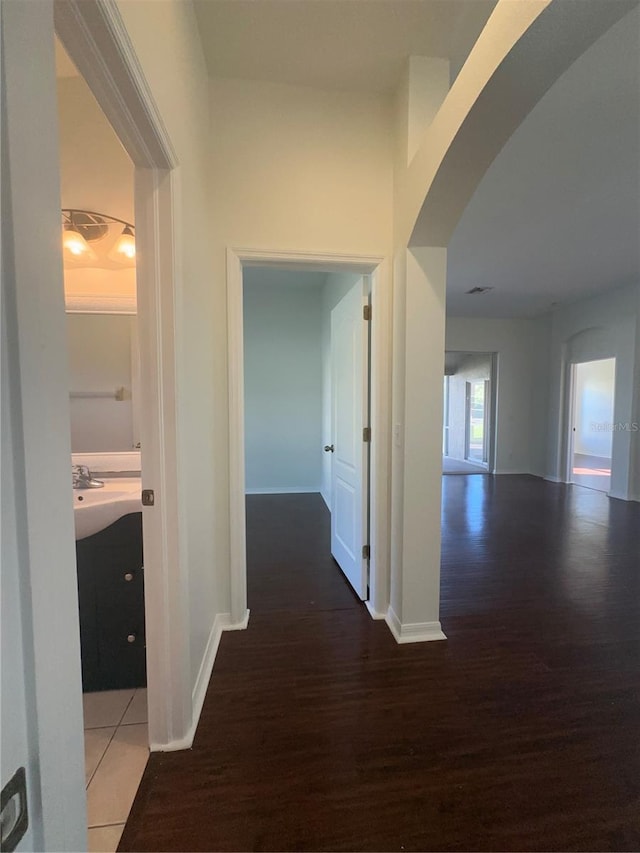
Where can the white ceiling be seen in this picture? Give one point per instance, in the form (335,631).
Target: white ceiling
(358,45)
(557,216)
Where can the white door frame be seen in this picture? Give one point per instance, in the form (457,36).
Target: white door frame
(467,420)
(94,37)
(487,423)
(570,407)
(491,412)
(571,416)
(379,271)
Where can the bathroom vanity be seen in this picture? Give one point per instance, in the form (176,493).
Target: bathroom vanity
(111,600)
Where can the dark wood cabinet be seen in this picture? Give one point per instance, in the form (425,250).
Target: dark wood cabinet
(111,600)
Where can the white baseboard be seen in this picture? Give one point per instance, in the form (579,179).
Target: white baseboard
(622,496)
(284,490)
(551,479)
(326,500)
(413,632)
(373,612)
(222,622)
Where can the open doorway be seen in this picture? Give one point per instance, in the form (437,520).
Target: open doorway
(468,425)
(375,273)
(98,222)
(592,425)
(306,381)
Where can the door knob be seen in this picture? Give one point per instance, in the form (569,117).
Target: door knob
(328,448)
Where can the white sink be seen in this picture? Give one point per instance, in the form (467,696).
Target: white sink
(95,509)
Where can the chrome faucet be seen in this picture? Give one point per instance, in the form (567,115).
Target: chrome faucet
(83,479)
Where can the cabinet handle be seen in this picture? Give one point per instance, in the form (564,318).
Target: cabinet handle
(131,638)
(128,576)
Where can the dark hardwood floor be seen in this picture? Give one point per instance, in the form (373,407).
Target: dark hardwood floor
(521,732)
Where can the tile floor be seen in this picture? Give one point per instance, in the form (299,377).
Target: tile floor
(116,749)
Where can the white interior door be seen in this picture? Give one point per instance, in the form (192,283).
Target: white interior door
(350,457)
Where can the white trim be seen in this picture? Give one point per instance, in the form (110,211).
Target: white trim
(552,479)
(285,490)
(372,612)
(237,509)
(82,304)
(221,623)
(326,500)
(307,261)
(569,444)
(379,270)
(98,43)
(380,458)
(493,413)
(414,632)
(166,583)
(621,495)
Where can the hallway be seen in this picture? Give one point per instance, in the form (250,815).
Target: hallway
(521,731)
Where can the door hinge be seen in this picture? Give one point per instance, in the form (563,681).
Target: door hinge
(366,552)
(366,312)
(366,434)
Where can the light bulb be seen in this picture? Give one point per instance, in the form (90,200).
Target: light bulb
(74,243)
(125,247)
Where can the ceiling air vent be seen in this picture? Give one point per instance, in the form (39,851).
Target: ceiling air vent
(477,290)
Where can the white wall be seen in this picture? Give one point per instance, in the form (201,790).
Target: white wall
(100,360)
(294,169)
(533,380)
(96,173)
(300,168)
(469,368)
(38,547)
(282,381)
(336,286)
(18,744)
(44,531)
(521,371)
(598,327)
(178,79)
(284,313)
(594,390)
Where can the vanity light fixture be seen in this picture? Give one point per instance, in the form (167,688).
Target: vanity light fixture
(74,242)
(125,248)
(87,237)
